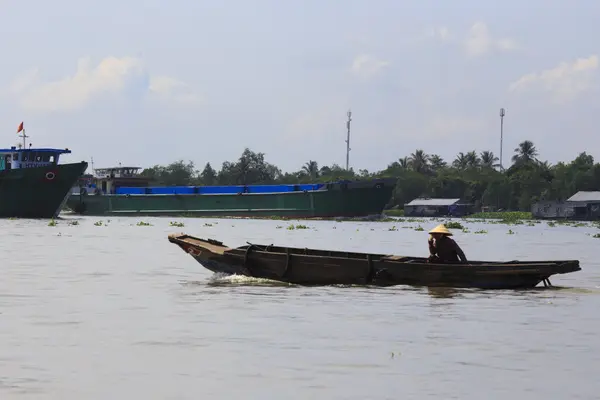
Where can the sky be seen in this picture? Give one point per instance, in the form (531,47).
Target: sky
(151,82)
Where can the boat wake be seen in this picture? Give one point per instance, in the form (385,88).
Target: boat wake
(240,280)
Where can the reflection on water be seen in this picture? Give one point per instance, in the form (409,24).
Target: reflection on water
(444,293)
(96,312)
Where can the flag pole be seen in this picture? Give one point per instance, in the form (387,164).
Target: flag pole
(24,135)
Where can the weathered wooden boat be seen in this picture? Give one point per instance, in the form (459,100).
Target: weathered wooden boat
(324,267)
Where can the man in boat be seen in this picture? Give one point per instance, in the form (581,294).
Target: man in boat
(442,248)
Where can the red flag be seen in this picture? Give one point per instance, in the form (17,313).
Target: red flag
(20,128)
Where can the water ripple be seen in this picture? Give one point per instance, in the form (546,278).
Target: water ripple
(99,310)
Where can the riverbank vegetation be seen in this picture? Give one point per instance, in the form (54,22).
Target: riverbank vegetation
(471,176)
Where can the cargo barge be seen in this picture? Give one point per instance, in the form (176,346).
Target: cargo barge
(123,191)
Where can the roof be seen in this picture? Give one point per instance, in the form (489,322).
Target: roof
(432,202)
(39,150)
(583,196)
(111,168)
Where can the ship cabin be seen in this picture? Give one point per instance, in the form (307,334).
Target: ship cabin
(108,180)
(16,158)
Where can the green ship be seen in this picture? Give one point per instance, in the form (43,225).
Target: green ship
(123,191)
(33,184)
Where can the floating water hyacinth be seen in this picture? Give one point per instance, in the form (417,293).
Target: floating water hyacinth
(292,227)
(454,225)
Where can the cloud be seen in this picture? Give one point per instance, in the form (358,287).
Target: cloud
(125,77)
(564,82)
(367,66)
(480,42)
(165,87)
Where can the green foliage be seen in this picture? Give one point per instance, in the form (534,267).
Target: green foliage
(454,225)
(396,212)
(299,226)
(472,177)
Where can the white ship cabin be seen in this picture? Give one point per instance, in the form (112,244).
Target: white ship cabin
(117,172)
(15,158)
(107,180)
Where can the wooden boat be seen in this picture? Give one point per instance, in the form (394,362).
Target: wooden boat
(324,267)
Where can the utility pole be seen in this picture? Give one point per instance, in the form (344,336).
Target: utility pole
(349,114)
(502,113)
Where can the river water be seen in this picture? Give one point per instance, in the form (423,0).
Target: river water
(92,311)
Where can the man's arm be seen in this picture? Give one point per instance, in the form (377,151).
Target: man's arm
(460,253)
(432,249)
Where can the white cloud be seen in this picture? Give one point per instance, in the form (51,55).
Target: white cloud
(564,82)
(172,89)
(367,66)
(124,76)
(479,41)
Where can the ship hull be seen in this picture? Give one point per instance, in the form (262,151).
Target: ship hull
(38,192)
(354,199)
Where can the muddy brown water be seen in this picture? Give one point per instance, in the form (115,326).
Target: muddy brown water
(116,311)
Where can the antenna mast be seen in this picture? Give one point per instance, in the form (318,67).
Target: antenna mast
(349,114)
(502,114)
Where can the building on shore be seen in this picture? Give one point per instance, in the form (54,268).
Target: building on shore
(426,207)
(552,209)
(583,205)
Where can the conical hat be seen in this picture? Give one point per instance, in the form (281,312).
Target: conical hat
(441,229)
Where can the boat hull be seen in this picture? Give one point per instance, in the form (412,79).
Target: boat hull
(322,267)
(356,199)
(38,192)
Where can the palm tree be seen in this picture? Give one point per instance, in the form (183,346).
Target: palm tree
(545,170)
(525,153)
(311,169)
(437,162)
(419,161)
(488,159)
(472,159)
(404,162)
(460,162)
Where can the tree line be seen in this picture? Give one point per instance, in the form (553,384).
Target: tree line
(474,177)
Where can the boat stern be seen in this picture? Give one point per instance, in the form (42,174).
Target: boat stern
(566,267)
